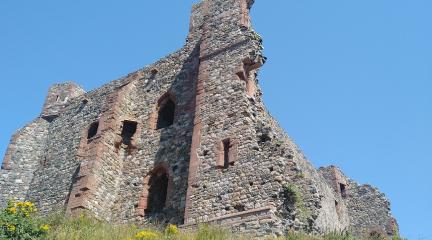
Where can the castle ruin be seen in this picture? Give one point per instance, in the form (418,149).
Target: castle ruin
(186,140)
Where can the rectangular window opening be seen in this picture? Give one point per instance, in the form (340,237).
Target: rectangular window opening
(128,131)
(93,129)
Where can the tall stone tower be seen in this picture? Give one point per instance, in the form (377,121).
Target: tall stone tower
(186,140)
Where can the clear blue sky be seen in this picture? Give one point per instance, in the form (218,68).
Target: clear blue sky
(350,81)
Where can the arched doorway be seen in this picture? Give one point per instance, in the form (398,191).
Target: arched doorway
(158,191)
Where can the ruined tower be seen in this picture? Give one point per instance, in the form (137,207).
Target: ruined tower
(186,140)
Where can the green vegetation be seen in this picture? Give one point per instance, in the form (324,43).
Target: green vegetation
(292,194)
(255,36)
(300,175)
(86,228)
(18,222)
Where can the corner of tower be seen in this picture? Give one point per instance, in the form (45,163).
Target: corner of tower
(210,10)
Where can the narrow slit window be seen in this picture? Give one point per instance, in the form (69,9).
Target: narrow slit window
(338,209)
(93,129)
(226,151)
(342,189)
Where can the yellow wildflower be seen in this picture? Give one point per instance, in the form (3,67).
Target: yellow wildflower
(12,210)
(11,228)
(146,235)
(171,230)
(24,208)
(45,227)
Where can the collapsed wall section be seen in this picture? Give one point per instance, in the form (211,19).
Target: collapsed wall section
(25,153)
(316,208)
(368,209)
(369,212)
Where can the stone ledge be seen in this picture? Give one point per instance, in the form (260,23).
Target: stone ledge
(236,217)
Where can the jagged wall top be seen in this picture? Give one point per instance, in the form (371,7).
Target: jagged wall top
(220,16)
(59,95)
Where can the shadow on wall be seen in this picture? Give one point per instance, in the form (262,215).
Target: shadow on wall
(167,183)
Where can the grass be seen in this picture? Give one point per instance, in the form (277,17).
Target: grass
(86,228)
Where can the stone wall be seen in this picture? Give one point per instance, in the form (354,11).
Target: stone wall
(58,97)
(25,153)
(368,209)
(104,175)
(194,123)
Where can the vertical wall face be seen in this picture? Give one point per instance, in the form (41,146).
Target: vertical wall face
(29,150)
(247,193)
(104,145)
(121,142)
(222,107)
(52,183)
(161,146)
(26,152)
(101,154)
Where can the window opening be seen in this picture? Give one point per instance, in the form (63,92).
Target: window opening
(227,148)
(128,131)
(93,129)
(342,189)
(166,114)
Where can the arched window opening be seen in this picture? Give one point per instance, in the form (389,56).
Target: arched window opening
(166,113)
(158,190)
(93,129)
